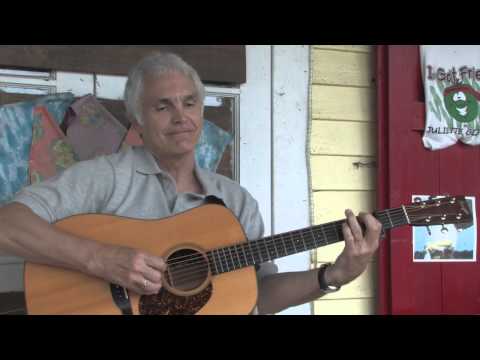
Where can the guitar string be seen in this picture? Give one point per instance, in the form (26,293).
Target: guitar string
(198,271)
(383,214)
(327,227)
(203,265)
(297,236)
(197,262)
(225,261)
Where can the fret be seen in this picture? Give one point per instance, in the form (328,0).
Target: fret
(293,242)
(251,252)
(269,257)
(274,242)
(303,239)
(336,232)
(339,231)
(244,254)
(406,215)
(235,259)
(296,242)
(210,253)
(389,219)
(324,234)
(226,260)
(314,238)
(284,246)
(402,218)
(240,265)
(381,217)
(231,257)
(259,252)
(271,244)
(220,263)
(221,254)
(300,240)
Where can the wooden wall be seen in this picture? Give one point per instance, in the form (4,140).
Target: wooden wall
(343,132)
(223,64)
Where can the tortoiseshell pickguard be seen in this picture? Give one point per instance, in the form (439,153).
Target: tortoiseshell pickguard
(166,303)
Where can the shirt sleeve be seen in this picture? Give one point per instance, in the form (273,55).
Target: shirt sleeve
(251,219)
(252,223)
(83,188)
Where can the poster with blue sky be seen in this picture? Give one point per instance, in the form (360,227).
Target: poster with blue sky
(445,243)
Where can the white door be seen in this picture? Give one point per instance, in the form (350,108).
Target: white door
(271,133)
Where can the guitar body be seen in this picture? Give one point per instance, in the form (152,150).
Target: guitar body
(53,290)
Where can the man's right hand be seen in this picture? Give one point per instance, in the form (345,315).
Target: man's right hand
(131,268)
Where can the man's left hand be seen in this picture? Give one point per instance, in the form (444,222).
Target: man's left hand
(359,248)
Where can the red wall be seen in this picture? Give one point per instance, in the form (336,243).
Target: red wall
(406,168)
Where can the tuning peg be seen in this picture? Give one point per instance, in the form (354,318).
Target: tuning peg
(433,197)
(429,231)
(443,229)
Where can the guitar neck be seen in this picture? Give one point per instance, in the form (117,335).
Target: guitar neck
(255,252)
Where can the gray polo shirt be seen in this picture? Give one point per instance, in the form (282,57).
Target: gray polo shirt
(131,184)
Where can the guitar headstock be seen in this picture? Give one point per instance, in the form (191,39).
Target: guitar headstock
(440,211)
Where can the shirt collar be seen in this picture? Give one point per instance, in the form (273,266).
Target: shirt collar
(146,164)
(208,182)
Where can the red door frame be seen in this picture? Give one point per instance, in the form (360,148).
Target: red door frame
(405,167)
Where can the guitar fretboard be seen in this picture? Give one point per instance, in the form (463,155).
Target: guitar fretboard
(230,258)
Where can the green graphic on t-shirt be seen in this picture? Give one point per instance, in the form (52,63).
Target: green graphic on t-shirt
(461,103)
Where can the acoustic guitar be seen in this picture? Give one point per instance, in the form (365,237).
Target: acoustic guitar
(210,264)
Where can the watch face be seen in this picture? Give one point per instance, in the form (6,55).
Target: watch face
(331,289)
(321,280)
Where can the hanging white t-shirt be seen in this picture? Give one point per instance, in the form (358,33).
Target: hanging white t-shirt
(451,78)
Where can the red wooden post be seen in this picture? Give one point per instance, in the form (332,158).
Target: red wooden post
(406,167)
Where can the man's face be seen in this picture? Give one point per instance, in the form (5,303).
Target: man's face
(172,114)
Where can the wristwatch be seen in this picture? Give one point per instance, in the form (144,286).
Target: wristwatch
(321,280)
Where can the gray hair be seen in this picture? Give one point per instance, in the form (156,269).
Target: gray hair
(157,64)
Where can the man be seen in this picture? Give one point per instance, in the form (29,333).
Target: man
(164,100)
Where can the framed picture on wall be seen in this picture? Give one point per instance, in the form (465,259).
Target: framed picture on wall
(445,243)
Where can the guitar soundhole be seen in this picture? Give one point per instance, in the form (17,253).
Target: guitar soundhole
(187,270)
(186,290)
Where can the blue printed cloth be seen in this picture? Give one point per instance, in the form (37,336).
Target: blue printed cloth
(16,123)
(211,145)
